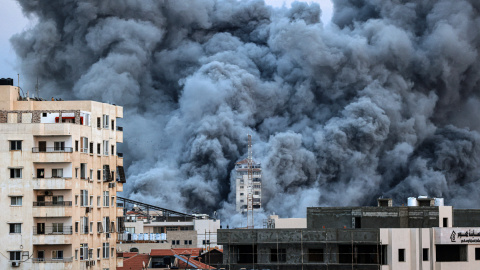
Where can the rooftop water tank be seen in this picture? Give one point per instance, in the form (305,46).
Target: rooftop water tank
(412,201)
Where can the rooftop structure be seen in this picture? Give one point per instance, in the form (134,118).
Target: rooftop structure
(61,175)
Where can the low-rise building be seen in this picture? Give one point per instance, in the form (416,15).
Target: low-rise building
(384,237)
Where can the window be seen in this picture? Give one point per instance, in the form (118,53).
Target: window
(106,224)
(278,255)
(105,120)
(185,242)
(44,114)
(113,150)
(57,254)
(241,194)
(445,222)
(15,173)
(98,201)
(425,254)
(84,225)
(40,173)
(57,200)
(105,198)
(99,123)
(84,251)
(105,147)
(98,149)
(15,227)
(83,197)
(59,146)
(241,187)
(477,254)
(113,124)
(16,201)
(91,200)
(76,226)
(91,148)
(76,254)
(91,174)
(15,145)
(98,253)
(57,227)
(315,255)
(99,175)
(256,193)
(76,172)
(113,201)
(84,144)
(206,242)
(106,250)
(99,227)
(15,255)
(451,253)
(91,227)
(57,173)
(189,242)
(401,255)
(76,146)
(76,200)
(83,170)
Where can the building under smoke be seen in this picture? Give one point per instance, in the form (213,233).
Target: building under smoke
(241,182)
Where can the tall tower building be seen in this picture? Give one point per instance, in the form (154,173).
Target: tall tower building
(242,183)
(61,174)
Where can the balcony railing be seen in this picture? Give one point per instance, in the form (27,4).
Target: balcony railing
(62,203)
(52,260)
(52,149)
(51,230)
(119,128)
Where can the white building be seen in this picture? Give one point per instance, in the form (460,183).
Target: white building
(241,180)
(61,173)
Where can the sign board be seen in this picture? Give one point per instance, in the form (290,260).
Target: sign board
(457,236)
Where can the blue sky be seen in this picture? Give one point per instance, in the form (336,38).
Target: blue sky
(13,21)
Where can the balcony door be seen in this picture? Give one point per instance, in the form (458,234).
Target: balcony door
(41,255)
(40,228)
(40,173)
(42,146)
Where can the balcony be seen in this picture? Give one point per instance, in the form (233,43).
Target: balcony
(52,183)
(52,230)
(52,239)
(51,203)
(52,209)
(52,150)
(52,260)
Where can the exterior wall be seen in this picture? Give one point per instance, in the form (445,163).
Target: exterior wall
(142,247)
(182,236)
(207,230)
(377,217)
(285,223)
(28,128)
(466,217)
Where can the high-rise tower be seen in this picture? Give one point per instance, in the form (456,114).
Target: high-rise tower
(248,183)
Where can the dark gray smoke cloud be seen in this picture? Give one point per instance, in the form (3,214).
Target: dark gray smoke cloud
(383,101)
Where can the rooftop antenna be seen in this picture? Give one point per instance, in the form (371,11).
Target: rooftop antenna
(37,94)
(250,223)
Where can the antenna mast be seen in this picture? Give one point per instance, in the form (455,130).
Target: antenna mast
(250,223)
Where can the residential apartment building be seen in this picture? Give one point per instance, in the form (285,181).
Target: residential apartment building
(61,173)
(241,181)
(415,237)
(150,227)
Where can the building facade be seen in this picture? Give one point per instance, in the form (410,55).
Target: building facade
(61,175)
(241,189)
(415,237)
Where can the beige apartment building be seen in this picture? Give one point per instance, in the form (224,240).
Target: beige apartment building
(61,173)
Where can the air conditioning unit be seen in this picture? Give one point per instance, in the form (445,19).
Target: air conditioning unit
(108,235)
(15,264)
(48,193)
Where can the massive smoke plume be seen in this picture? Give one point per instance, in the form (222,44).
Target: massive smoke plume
(382,101)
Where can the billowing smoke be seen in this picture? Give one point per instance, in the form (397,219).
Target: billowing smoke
(383,101)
